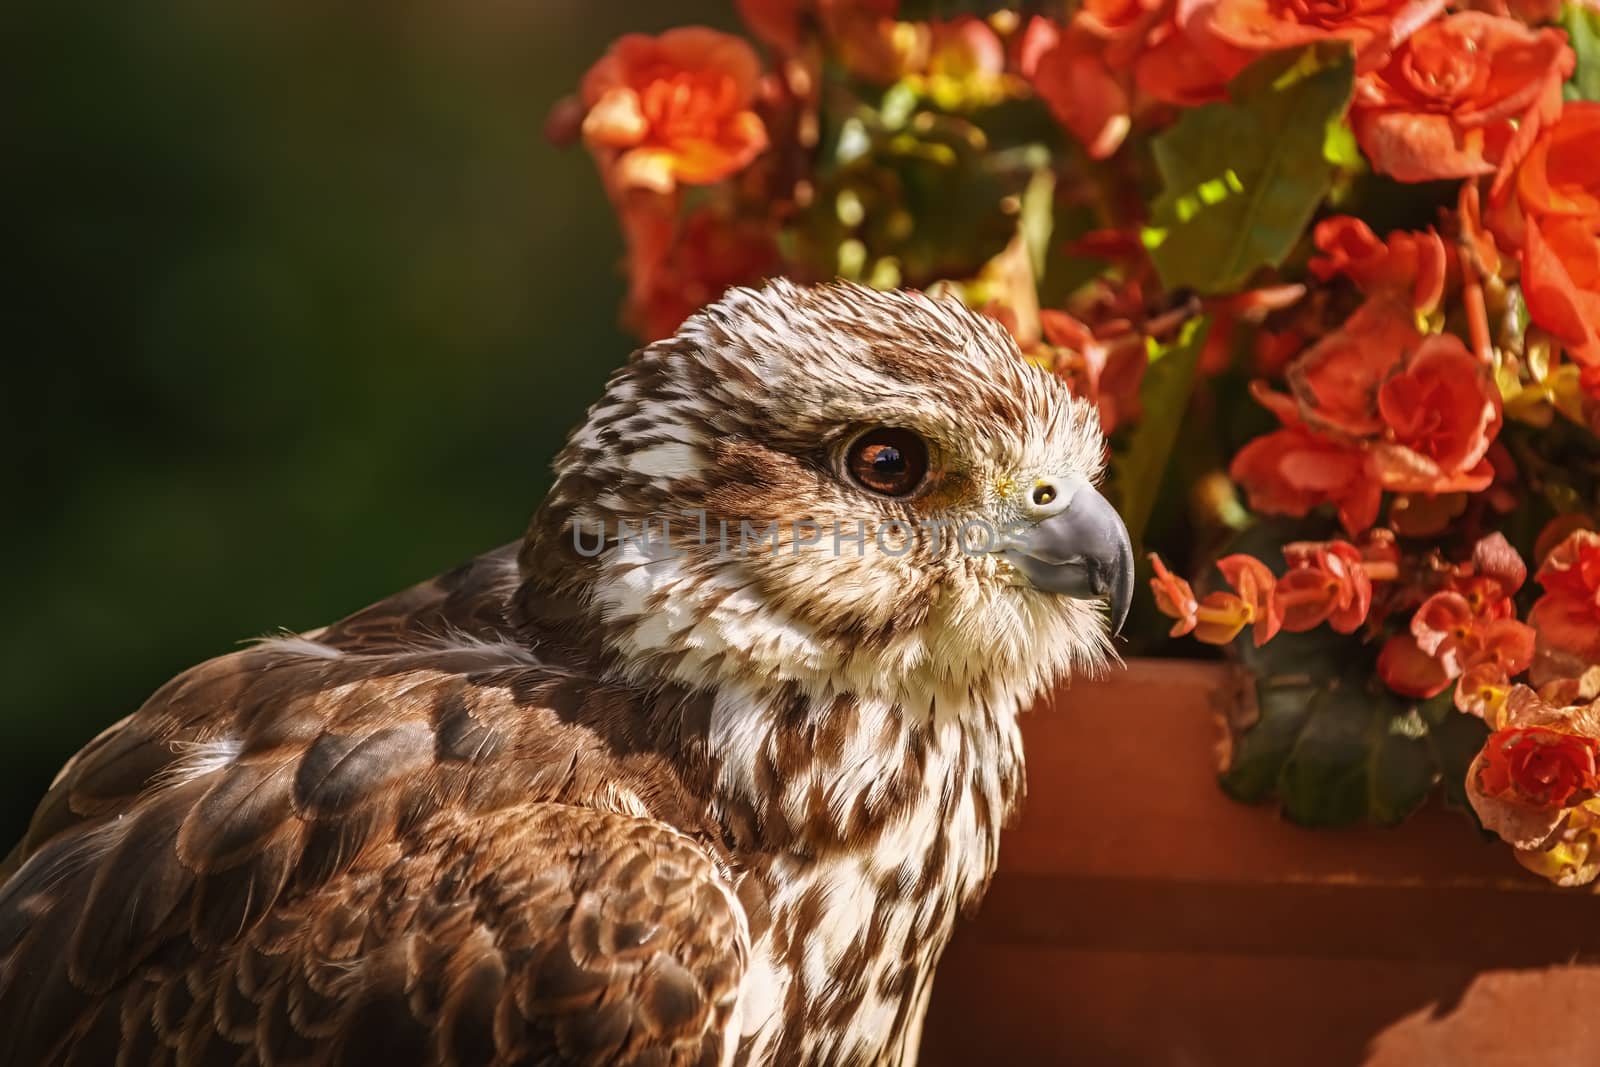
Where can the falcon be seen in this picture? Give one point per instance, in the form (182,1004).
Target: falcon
(701,771)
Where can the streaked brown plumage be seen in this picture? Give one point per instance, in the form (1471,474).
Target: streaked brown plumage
(629,808)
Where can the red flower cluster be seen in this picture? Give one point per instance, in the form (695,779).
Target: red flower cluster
(1376,407)
(1451,636)
(1101,342)
(1408,372)
(1413,265)
(1457,96)
(658,114)
(1324,582)
(1108,369)
(1536,780)
(1440,95)
(1464,628)
(1116,59)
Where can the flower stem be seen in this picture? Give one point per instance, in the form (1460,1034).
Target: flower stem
(1381,570)
(1477,311)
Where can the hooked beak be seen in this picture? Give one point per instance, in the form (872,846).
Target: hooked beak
(1081,551)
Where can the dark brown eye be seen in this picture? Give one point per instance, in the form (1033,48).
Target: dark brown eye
(888,461)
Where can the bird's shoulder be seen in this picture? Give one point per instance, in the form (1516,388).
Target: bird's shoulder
(430,687)
(372,831)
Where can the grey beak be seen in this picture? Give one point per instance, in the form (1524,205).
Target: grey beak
(1083,551)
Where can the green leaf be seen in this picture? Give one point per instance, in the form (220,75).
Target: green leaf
(1583,33)
(1332,746)
(1335,753)
(1339,147)
(1243,178)
(1259,755)
(1400,767)
(1455,743)
(1038,218)
(1164,395)
(1324,779)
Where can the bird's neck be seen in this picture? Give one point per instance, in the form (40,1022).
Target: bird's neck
(798,755)
(861,829)
(842,773)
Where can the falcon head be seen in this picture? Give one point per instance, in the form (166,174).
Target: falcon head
(844,489)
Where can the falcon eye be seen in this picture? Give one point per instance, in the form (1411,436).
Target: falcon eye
(888,461)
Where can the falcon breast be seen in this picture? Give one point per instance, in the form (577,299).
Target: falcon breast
(699,772)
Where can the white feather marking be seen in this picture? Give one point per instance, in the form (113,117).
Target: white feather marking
(199,758)
(670,459)
(299,645)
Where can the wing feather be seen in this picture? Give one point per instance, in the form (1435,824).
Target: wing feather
(374,843)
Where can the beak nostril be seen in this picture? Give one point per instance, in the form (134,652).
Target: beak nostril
(1044,494)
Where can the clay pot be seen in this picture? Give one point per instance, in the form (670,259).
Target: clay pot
(1140,916)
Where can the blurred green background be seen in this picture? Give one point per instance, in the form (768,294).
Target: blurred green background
(301,305)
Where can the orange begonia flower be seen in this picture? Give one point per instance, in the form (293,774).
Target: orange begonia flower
(1121,26)
(1292,470)
(1399,469)
(1220,616)
(1539,767)
(1336,380)
(1486,597)
(1561,281)
(1440,625)
(1567,616)
(1326,582)
(1558,192)
(1174,597)
(1571,857)
(1442,404)
(1174,70)
(1106,372)
(1091,71)
(1558,530)
(1535,770)
(1409,671)
(1446,628)
(1257,587)
(1508,643)
(1482,691)
(675,108)
(1468,630)
(1465,95)
(1085,94)
(1415,264)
